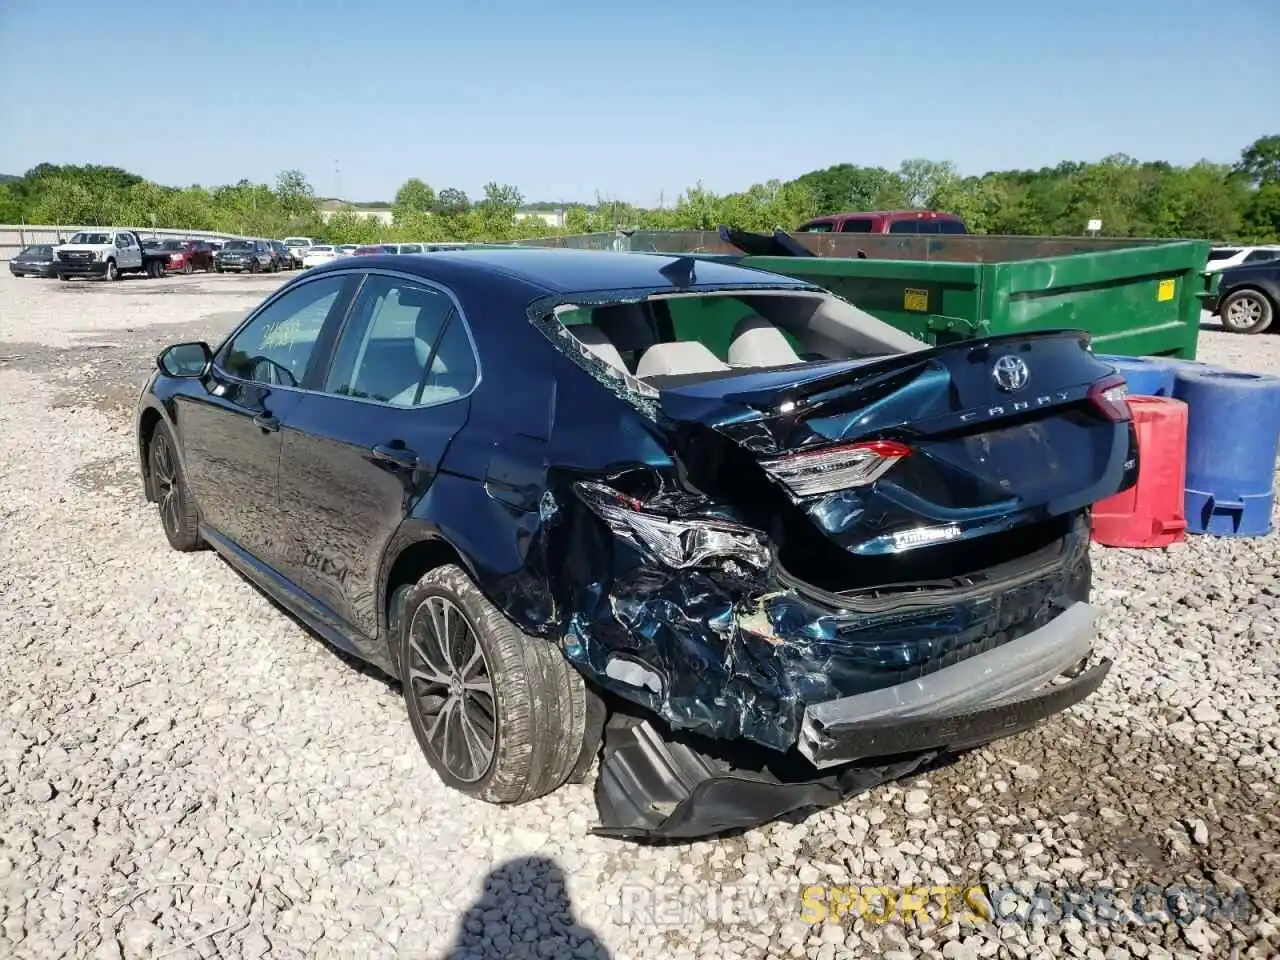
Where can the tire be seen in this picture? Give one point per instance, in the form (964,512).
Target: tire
(187,268)
(217,269)
(1246,311)
(535,707)
(255,267)
(112,274)
(65,278)
(178,515)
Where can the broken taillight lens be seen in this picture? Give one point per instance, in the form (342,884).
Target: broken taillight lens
(836,468)
(676,542)
(1110,396)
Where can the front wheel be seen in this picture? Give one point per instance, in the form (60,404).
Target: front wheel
(255,267)
(169,486)
(501,716)
(1246,311)
(112,274)
(187,268)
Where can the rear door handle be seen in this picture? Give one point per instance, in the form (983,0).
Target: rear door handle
(397,457)
(267,422)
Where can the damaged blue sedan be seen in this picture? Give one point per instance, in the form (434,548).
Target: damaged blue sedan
(738,541)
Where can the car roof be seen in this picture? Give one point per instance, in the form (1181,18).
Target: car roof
(888,214)
(569,271)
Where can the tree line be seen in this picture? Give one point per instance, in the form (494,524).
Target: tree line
(1132,198)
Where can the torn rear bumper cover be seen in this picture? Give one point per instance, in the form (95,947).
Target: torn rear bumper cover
(665,786)
(991,695)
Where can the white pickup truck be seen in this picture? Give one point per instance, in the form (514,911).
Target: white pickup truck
(106,252)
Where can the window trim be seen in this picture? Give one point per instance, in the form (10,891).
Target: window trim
(454,312)
(219,354)
(330,347)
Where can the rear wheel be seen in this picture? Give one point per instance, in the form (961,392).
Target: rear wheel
(169,486)
(500,715)
(1247,311)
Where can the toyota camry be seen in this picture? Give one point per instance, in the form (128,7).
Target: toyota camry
(717,531)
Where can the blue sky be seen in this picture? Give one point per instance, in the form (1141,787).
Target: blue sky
(567,98)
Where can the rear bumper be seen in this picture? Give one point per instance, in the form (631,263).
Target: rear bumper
(986,697)
(656,784)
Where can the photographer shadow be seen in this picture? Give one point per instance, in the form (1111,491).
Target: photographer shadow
(524,912)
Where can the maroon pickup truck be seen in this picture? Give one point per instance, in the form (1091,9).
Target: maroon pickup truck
(886,221)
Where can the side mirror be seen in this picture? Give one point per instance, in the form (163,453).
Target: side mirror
(185,360)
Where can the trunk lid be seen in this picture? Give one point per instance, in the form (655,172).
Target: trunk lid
(891,454)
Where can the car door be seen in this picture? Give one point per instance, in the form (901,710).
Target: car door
(356,456)
(130,257)
(230,429)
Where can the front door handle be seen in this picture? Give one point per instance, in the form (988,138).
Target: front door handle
(267,422)
(397,457)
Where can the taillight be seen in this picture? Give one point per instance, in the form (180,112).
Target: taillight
(836,468)
(677,542)
(1111,396)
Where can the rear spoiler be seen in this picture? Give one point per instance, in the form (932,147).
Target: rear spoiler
(780,244)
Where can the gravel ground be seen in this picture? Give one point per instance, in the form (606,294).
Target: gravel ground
(187,772)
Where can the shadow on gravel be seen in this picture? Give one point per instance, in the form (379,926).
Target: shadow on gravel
(524,912)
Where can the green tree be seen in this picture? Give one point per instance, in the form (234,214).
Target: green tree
(452,202)
(922,179)
(413,197)
(846,187)
(1260,161)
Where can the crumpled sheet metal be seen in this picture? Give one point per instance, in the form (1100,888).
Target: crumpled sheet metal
(741,657)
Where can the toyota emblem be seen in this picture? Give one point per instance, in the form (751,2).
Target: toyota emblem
(1010,373)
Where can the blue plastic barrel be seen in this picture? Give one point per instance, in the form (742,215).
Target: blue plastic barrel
(1176,364)
(1145,376)
(1233,436)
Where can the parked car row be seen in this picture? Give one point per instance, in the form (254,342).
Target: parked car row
(110,253)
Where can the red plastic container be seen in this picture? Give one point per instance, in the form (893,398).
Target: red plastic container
(1150,513)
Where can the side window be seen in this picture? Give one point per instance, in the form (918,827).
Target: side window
(393,351)
(278,343)
(904,226)
(1257,255)
(857,225)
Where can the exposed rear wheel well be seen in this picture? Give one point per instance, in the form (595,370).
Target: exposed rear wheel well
(147,429)
(410,566)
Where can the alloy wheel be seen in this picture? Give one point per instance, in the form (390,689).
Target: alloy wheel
(165,476)
(1244,313)
(452,690)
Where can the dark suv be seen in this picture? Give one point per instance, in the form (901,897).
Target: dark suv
(244,256)
(763,546)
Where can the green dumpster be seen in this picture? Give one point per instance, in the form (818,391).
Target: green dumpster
(1136,297)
